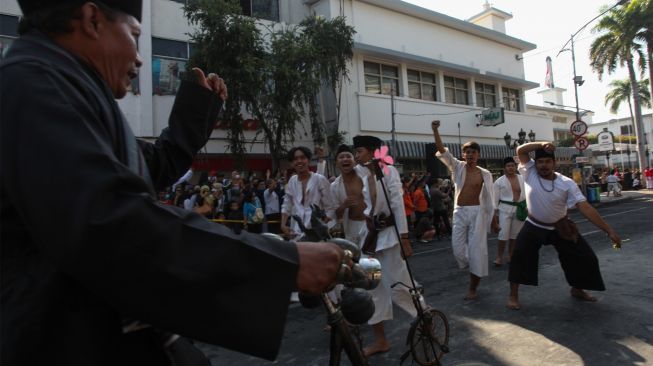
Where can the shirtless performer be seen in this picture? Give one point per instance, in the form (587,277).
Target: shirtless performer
(509,194)
(473,209)
(347,191)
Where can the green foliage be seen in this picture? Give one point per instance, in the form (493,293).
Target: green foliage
(274,73)
(593,139)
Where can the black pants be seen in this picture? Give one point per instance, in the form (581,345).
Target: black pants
(274,228)
(578,261)
(445,219)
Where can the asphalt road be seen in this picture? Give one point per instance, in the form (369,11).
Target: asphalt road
(552,328)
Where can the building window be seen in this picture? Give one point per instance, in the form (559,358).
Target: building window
(8,32)
(169,60)
(381,79)
(455,90)
(511,99)
(262,9)
(486,95)
(421,85)
(627,130)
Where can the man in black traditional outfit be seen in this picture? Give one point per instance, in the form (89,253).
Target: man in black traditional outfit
(549,195)
(76,264)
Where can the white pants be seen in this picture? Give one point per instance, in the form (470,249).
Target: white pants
(509,224)
(469,239)
(614,187)
(393,270)
(649,182)
(355,231)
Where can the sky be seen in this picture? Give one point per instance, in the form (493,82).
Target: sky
(549,24)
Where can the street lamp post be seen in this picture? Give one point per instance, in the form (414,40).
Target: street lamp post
(628,153)
(607,157)
(520,141)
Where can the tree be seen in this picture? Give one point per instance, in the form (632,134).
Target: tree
(617,46)
(621,91)
(273,73)
(641,12)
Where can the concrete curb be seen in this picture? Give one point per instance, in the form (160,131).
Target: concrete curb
(621,199)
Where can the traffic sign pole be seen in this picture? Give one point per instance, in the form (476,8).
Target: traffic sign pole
(578,128)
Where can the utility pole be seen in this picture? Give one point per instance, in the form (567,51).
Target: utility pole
(395,150)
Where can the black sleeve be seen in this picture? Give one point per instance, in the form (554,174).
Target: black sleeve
(191,122)
(98,225)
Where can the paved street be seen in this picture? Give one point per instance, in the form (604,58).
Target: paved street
(551,328)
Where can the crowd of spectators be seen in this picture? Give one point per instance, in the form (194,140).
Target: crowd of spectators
(613,181)
(254,204)
(239,202)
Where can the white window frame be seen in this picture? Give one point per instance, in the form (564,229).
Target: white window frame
(456,89)
(381,76)
(510,98)
(480,102)
(423,84)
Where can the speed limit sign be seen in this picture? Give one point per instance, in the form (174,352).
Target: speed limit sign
(578,128)
(581,143)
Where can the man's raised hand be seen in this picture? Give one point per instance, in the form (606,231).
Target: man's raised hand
(435,125)
(213,82)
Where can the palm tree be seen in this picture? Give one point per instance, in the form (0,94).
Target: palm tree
(621,91)
(641,12)
(617,46)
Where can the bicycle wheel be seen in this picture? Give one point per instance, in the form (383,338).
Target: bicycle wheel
(429,338)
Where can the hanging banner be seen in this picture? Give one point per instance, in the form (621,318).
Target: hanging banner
(491,117)
(605,141)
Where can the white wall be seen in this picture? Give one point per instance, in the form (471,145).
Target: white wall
(9,7)
(387,29)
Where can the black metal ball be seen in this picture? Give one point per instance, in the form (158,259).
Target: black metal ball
(356,305)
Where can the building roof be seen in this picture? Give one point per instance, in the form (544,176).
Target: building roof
(451,22)
(550,109)
(403,56)
(619,120)
(491,10)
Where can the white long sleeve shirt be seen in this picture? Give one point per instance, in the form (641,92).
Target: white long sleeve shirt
(318,192)
(387,238)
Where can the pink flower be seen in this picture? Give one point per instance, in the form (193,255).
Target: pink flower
(384,159)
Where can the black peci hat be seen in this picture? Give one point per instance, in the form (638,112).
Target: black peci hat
(344,148)
(369,142)
(509,160)
(131,7)
(541,153)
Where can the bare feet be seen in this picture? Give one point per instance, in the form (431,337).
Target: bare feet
(513,303)
(376,347)
(470,296)
(497,262)
(582,295)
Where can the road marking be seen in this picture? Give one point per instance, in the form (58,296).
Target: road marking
(616,213)
(578,222)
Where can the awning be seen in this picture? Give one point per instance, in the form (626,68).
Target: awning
(417,150)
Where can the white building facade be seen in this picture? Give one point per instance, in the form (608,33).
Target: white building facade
(619,156)
(438,67)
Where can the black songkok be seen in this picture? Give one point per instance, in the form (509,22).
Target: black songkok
(369,142)
(509,160)
(541,153)
(131,7)
(344,148)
